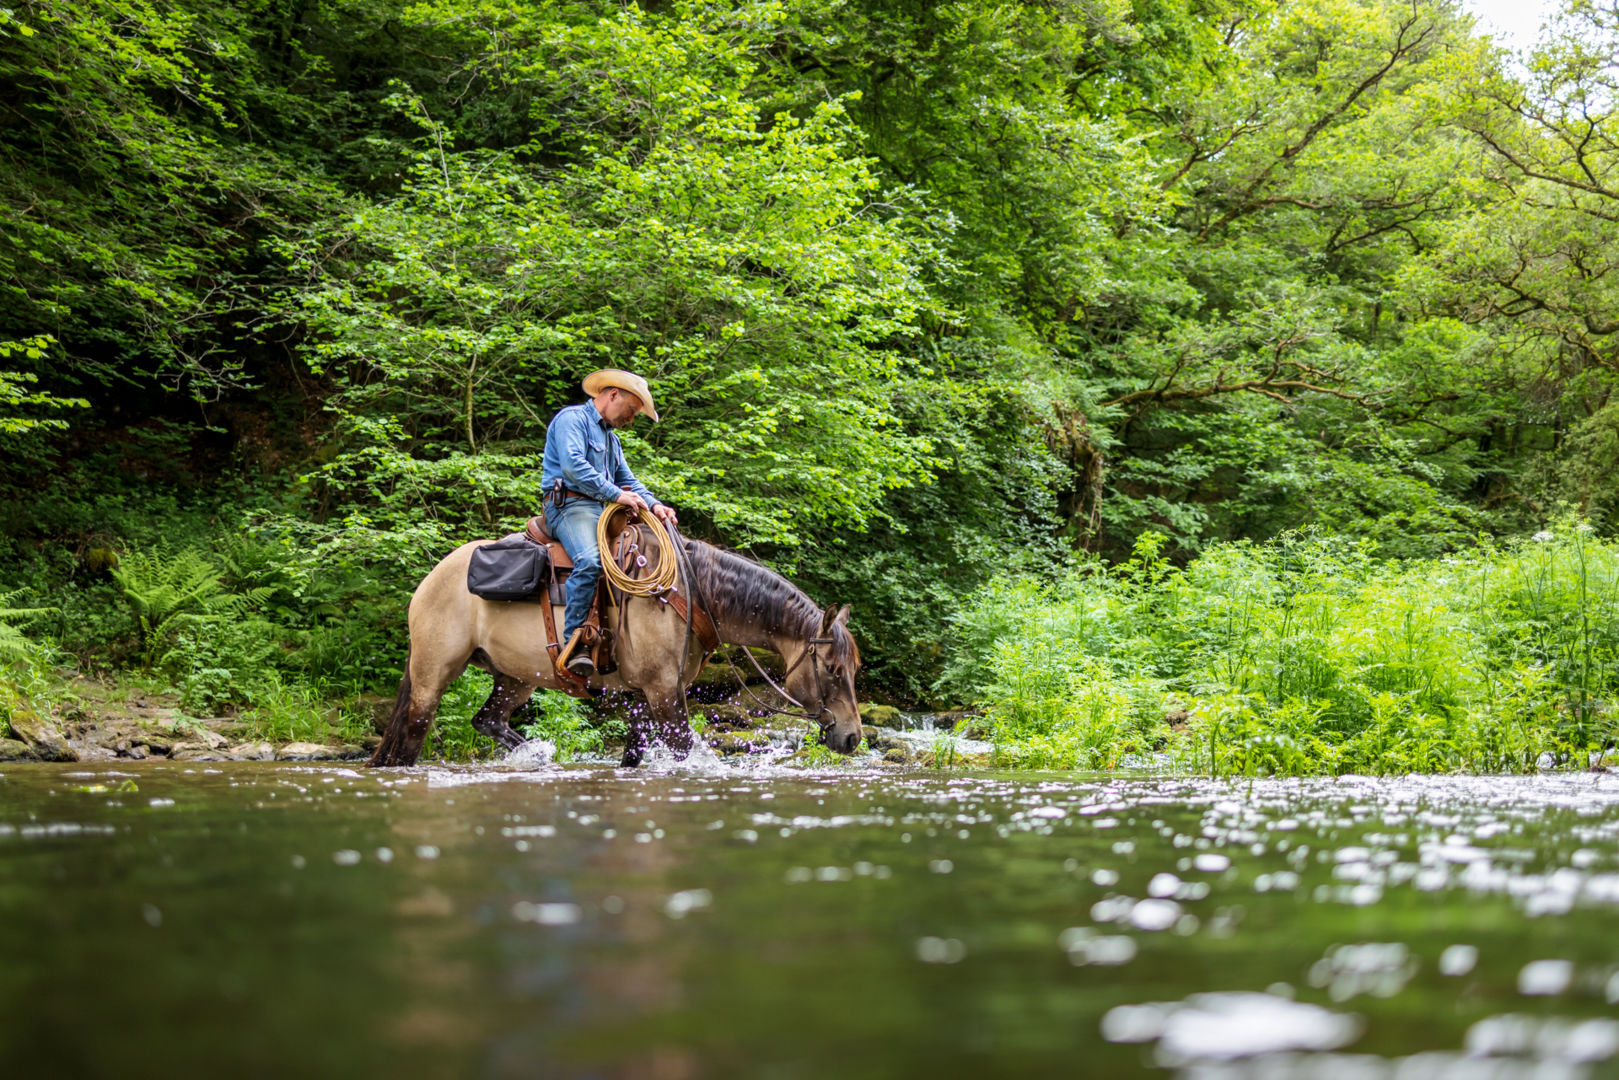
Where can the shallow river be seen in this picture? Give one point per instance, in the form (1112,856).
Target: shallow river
(284,920)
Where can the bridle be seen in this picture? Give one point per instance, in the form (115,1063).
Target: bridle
(825,685)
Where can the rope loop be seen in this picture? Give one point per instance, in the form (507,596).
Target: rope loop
(659,581)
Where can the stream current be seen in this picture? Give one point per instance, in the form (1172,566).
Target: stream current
(700,920)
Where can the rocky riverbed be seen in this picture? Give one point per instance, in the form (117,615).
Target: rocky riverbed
(97,722)
(93,721)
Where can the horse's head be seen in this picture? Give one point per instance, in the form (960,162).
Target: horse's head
(822,680)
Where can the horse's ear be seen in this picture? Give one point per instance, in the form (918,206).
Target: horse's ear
(842,617)
(828,617)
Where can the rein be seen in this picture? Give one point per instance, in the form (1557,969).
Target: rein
(814,665)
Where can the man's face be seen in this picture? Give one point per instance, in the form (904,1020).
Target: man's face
(621,408)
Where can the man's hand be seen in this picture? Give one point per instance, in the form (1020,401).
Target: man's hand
(632,500)
(666,513)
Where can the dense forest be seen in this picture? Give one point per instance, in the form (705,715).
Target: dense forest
(931,295)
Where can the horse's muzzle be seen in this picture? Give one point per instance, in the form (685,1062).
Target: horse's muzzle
(845,743)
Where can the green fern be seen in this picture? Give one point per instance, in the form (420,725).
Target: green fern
(16,646)
(168,588)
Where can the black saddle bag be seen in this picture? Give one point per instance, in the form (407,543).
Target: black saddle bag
(509,569)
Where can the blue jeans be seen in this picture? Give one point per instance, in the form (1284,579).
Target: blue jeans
(574,526)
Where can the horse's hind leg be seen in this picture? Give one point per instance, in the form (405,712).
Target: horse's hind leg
(419,694)
(492,719)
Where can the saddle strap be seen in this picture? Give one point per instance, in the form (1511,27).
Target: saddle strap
(566,680)
(707,636)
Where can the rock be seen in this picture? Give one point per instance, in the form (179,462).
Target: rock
(350,752)
(879,715)
(371,742)
(230,730)
(897,755)
(255,751)
(157,744)
(133,753)
(16,750)
(305,751)
(878,739)
(726,715)
(196,733)
(949,718)
(41,735)
(735,743)
(195,751)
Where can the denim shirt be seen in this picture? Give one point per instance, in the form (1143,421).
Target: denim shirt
(585,453)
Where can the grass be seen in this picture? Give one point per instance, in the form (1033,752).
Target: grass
(1307,655)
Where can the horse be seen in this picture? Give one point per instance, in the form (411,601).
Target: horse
(656,653)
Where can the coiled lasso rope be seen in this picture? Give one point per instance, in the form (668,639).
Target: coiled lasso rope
(660,581)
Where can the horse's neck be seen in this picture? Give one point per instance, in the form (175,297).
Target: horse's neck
(755,631)
(736,630)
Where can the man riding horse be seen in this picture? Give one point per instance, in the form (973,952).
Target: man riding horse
(585,471)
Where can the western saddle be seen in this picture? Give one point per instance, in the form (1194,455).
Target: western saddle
(597,636)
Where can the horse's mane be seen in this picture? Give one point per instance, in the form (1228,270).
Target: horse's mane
(733,585)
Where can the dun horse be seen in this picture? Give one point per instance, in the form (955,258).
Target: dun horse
(450,629)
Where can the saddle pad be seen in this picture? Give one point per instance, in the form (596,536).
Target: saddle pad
(509,569)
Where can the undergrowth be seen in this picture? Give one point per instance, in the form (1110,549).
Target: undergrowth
(1305,655)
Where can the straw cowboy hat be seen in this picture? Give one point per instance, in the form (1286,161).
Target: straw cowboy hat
(628,381)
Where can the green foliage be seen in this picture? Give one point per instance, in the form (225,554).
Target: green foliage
(1307,655)
(14,396)
(223,664)
(294,712)
(564,721)
(166,589)
(928,293)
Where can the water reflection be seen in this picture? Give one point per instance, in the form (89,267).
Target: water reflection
(704,918)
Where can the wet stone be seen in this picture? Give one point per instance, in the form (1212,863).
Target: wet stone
(880,715)
(16,750)
(42,736)
(196,752)
(254,751)
(307,751)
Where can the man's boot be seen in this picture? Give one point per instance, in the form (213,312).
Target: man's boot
(576,659)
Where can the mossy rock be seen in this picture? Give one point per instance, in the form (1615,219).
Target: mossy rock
(13,750)
(41,735)
(898,755)
(874,715)
(734,743)
(727,715)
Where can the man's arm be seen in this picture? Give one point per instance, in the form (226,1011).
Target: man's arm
(577,471)
(622,476)
(627,480)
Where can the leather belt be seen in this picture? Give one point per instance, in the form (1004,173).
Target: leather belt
(559,495)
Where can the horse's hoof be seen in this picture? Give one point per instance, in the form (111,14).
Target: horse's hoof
(632,759)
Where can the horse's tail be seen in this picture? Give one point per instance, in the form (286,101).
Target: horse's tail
(392,749)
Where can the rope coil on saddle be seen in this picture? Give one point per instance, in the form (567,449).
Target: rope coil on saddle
(659,581)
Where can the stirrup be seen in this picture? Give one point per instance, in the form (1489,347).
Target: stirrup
(581,665)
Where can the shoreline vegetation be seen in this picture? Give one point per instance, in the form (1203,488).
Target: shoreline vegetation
(1306,655)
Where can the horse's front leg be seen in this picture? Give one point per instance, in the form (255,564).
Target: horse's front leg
(665,719)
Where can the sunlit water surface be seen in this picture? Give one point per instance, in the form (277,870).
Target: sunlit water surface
(707,920)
